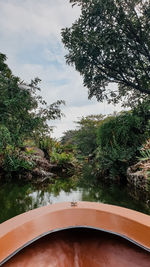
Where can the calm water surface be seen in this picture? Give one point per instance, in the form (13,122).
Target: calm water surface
(16,199)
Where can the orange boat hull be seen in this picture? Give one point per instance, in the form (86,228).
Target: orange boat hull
(67,234)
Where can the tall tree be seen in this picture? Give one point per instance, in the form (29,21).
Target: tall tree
(22,111)
(86,132)
(110,43)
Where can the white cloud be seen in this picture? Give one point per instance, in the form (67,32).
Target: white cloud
(30,37)
(41,18)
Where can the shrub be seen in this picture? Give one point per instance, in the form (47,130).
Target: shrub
(14,163)
(119,140)
(46,143)
(5,138)
(60,157)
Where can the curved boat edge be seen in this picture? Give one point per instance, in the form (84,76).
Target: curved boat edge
(33,225)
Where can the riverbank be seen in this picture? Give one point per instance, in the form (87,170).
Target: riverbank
(46,171)
(37,166)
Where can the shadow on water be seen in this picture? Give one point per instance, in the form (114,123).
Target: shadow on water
(16,199)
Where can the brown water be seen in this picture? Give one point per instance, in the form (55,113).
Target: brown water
(81,248)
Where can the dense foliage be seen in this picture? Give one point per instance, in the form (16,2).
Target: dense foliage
(110,43)
(110,144)
(86,134)
(22,111)
(69,137)
(55,151)
(119,140)
(83,138)
(23,114)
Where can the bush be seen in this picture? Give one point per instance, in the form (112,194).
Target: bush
(55,151)
(119,140)
(145,158)
(46,143)
(61,158)
(5,138)
(14,163)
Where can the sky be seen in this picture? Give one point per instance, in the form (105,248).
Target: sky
(30,36)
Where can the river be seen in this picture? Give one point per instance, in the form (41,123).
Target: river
(18,198)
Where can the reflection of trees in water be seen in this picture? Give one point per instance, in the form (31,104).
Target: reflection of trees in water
(14,199)
(62,184)
(40,198)
(115,195)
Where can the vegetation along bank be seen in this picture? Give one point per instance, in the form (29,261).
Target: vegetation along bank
(113,47)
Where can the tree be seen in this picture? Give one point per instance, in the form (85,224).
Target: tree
(119,139)
(110,43)
(85,136)
(22,111)
(68,137)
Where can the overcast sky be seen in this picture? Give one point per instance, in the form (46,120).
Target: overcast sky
(30,38)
